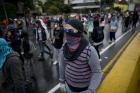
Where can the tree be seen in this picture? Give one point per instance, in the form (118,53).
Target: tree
(66,9)
(56,5)
(53,10)
(12,1)
(28,3)
(10,9)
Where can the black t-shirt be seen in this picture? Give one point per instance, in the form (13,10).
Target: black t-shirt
(49,24)
(58,34)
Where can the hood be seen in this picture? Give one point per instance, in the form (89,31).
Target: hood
(4,51)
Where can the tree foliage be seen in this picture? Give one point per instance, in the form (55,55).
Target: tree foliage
(27,3)
(56,7)
(10,10)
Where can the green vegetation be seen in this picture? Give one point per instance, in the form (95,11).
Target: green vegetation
(28,3)
(10,9)
(56,7)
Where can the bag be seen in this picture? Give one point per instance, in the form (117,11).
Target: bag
(29,84)
(97,35)
(5,86)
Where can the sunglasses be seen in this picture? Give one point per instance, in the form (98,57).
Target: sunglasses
(70,30)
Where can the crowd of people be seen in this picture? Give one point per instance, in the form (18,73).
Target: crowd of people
(75,40)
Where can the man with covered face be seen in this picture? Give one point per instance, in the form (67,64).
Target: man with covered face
(79,66)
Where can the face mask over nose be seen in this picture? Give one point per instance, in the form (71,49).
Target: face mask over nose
(73,42)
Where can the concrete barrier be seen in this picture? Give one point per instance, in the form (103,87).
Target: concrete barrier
(125,75)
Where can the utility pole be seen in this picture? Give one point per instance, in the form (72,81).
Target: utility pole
(100,6)
(3,6)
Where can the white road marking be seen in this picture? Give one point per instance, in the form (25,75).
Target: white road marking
(106,57)
(55,88)
(105,49)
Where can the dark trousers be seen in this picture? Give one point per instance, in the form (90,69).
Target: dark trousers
(97,49)
(43,45)
(102,28)
(31,85)
(112,36)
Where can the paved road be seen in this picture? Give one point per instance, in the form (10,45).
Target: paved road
(47,74)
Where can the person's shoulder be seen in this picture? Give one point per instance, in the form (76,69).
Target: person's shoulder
(13,58)
(91,48)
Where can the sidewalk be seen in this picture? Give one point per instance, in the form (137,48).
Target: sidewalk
(124,76)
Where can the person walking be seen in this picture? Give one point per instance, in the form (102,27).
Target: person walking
(126,21)
(113,29)
(97,36)
(135,19)
(42,35)
(79,66)
(28,49)
(57,42)
(102,23)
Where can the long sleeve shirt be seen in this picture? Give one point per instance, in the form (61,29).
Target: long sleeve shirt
(94,66)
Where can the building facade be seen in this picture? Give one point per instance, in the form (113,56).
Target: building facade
(82,4)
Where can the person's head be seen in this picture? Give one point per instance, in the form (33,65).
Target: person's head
(38,23)
(41,24)
(4,51)
(74,30)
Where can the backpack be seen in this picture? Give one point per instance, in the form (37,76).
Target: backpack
(97,35)
(29,84)
(5,86)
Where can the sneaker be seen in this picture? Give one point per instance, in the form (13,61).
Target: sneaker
(55,62)
(100,60)
(110,42)
(114,41)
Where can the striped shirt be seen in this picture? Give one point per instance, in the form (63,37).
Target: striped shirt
(78,72)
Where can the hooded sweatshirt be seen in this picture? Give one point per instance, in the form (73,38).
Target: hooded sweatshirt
(11,68)
(4,51)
